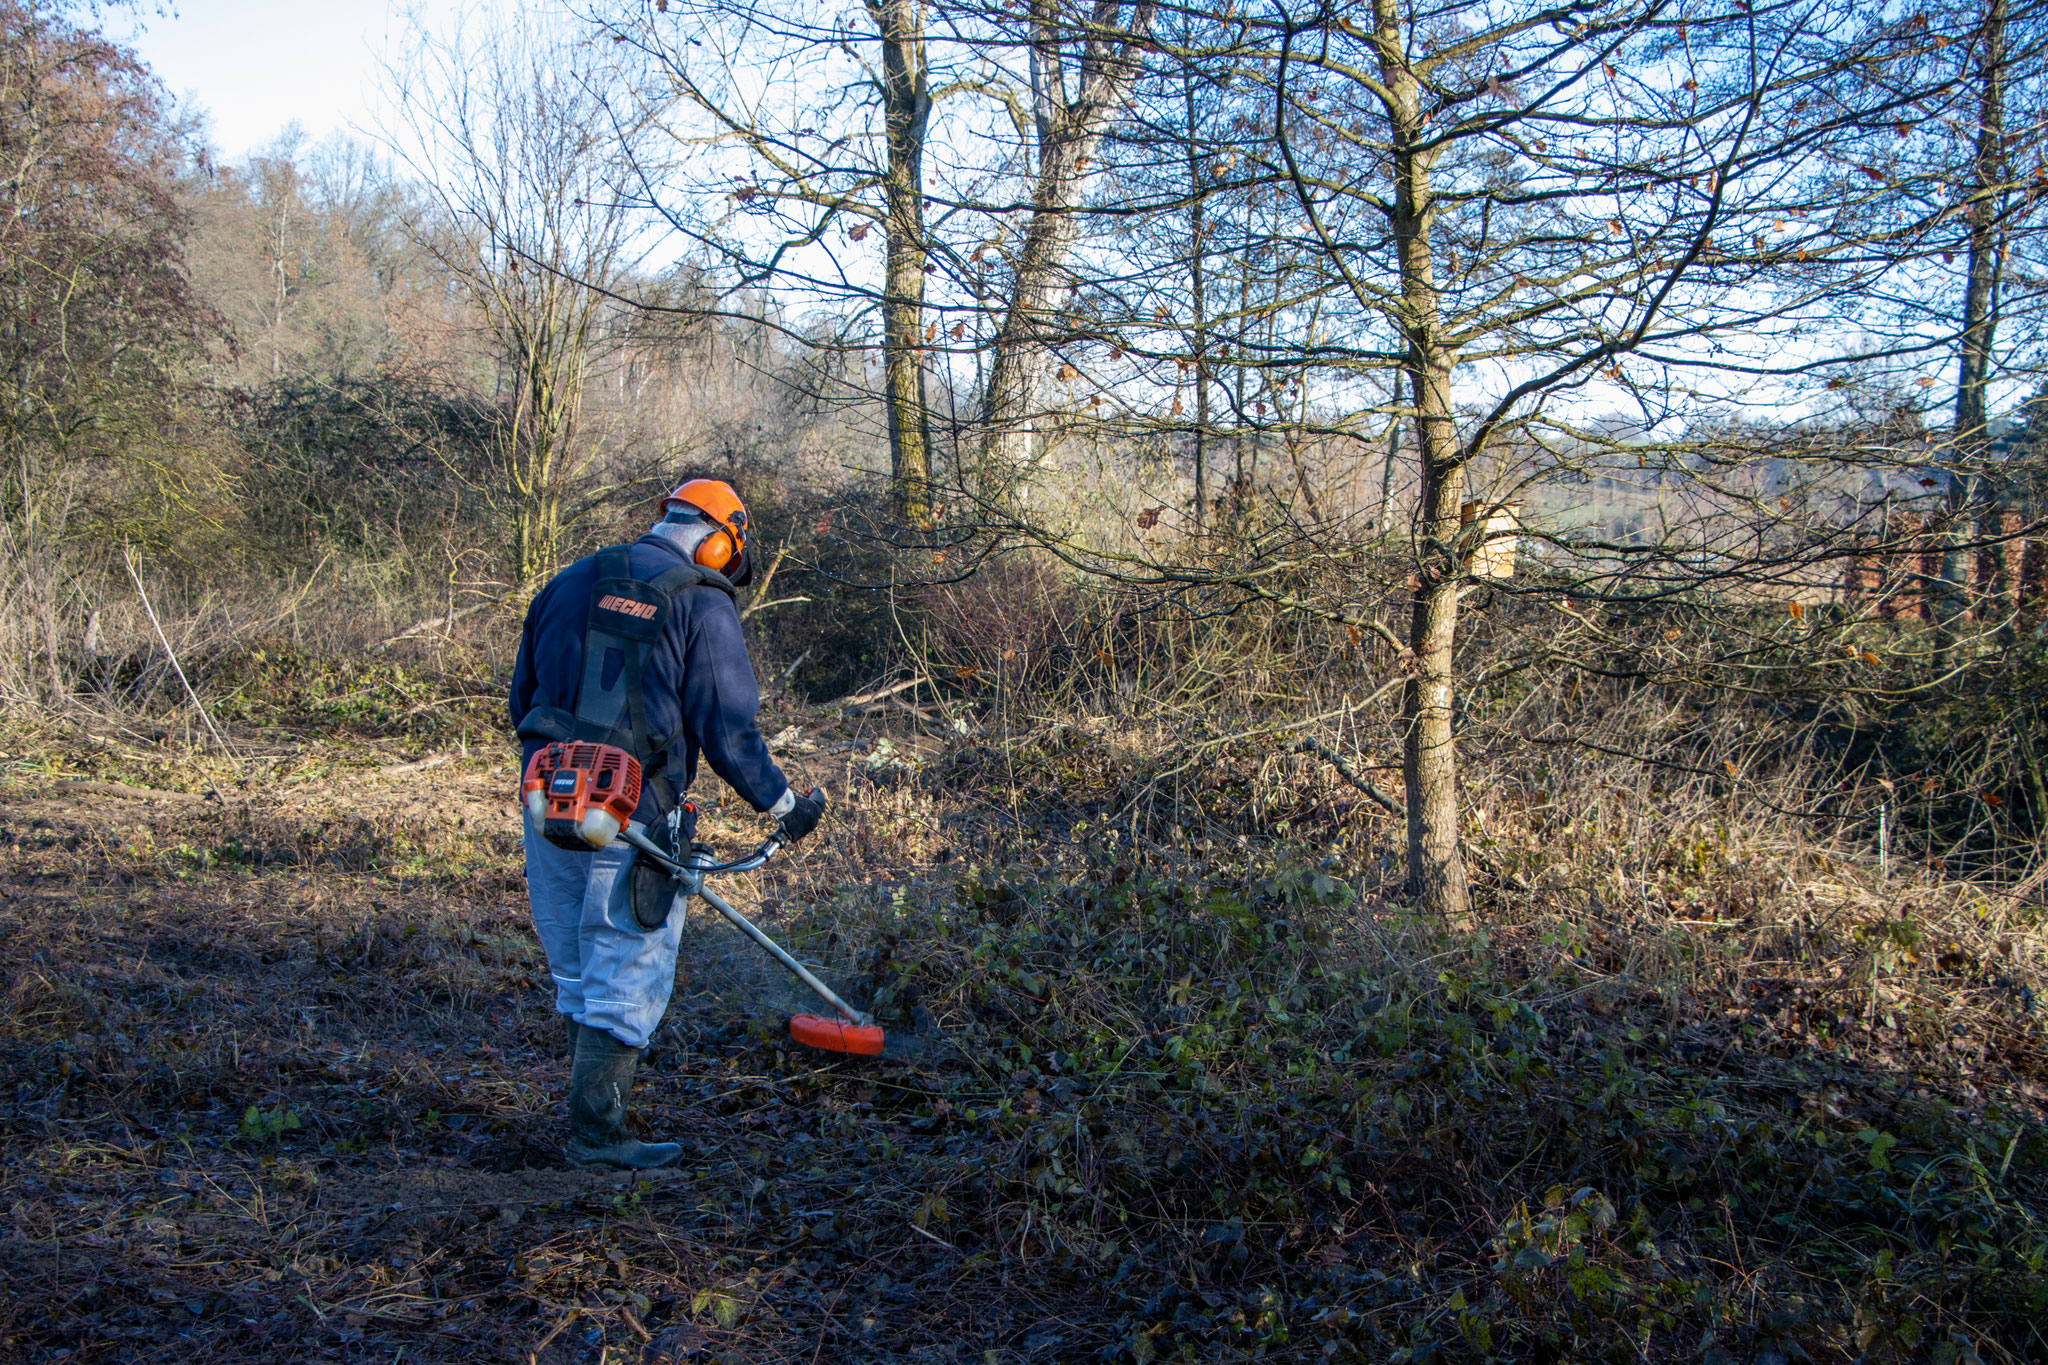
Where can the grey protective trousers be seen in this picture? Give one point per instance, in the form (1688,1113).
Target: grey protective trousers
(609,973)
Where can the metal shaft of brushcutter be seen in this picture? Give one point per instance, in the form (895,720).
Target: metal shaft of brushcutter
(692,879)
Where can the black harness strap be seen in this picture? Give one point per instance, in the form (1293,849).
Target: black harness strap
(626,617)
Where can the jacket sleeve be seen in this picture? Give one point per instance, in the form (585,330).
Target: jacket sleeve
(720,700)
(525,681)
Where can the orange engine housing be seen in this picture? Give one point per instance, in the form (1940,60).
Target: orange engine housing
(581,795)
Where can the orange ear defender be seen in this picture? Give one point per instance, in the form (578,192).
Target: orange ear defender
(581,795)
(722,507)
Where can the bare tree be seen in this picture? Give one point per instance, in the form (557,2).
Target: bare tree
(1659,210)
(100,329)
(905,90)
(1070,114)
(514,130)
(831,125)
(1995,210)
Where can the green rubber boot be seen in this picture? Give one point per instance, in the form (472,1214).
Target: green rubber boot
(599,1082)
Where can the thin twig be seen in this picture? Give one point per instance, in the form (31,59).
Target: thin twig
(128,559)
(533,1356)
(432,624)
(761,593)
(1330,756)
(863,698)
(122,789)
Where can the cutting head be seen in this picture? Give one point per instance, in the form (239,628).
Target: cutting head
(836,1035)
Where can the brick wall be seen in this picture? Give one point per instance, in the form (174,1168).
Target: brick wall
(1895,575)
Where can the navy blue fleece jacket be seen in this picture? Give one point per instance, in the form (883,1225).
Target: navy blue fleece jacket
(699,684)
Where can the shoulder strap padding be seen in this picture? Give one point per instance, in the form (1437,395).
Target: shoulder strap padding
(672,581)
(626,616)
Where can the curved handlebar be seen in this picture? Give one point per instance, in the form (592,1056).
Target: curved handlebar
(698,871)
(747,864)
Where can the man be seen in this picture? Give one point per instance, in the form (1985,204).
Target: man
(666,678)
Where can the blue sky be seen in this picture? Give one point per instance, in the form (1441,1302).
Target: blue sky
(257,65)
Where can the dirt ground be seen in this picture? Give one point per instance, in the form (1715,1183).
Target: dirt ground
(268,1108)
(284,1083)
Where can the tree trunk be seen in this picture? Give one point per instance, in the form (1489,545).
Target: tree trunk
(1980,322)
(1384,520)
(1069,132)
(1017,379)
(548,333)
(906,105)
(1197,267)
(1429,766)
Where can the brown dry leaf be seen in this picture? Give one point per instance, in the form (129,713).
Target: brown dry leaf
(1149,518)
(959,330)
(1068,374)
(931,329)
(1794,609)
(857,231)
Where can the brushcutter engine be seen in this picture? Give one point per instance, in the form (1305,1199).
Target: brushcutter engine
(581,795)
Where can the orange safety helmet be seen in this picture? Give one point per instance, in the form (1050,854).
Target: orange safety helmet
(723,508)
